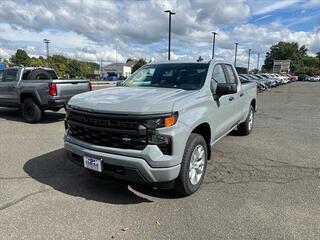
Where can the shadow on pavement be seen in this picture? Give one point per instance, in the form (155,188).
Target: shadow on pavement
(13,114)
(55,170)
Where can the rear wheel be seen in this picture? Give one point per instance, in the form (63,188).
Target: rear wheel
(193,166)
(245,128)
(31,112)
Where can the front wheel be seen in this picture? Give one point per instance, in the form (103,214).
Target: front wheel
(245,128)
(193,166)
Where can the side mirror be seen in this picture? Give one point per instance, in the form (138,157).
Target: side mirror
(226,88)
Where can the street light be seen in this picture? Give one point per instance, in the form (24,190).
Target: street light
(169,47)
(249,59)
(258,61)
(46,42)
(235,54)
(213,43)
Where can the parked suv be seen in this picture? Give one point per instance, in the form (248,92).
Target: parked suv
(160,126)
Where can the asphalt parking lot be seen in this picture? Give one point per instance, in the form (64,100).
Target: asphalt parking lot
(263,186)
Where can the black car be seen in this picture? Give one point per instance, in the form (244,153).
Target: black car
(304,77)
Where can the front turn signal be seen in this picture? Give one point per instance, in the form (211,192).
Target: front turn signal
(170,121)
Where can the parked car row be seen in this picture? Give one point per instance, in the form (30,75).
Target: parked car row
(305,77)
(265,81)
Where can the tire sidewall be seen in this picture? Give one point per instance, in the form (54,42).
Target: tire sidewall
(193,141)
(30,103)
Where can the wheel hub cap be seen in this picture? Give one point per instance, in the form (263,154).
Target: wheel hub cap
(250,124)
(196,164)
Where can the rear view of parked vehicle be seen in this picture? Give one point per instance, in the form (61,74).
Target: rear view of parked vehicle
(35,90)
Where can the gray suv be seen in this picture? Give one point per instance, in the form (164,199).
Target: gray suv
(160,125)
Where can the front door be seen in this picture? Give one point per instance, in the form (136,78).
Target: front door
(222,108)
(8,87)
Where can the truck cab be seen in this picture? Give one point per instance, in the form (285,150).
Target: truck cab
(160,125)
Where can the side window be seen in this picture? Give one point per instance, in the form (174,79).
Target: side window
(10,75)
(231,76)
(218,74)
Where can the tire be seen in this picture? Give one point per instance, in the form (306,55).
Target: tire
(31,112)
(185,184)
(245,128)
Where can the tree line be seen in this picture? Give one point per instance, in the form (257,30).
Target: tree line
(301,62)
(65,67)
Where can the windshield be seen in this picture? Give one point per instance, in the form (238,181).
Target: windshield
(188,76)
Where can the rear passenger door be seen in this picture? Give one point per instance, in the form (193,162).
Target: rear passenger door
(238,98)
(8,87)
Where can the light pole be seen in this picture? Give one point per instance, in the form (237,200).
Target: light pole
(249,59)
(46,42)
(213,43)
(258,61)
(169,45)
(235,55)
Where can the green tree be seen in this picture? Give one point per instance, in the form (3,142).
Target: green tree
(20,58)
(138,64)
(284,51)
(6,62)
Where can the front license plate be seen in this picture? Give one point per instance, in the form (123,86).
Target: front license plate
(92,164)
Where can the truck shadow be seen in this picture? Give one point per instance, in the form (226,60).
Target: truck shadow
(55,170)
(13,114)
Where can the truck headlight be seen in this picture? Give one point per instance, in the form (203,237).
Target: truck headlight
(166,121)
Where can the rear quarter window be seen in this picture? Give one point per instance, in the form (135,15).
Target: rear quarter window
(39,74)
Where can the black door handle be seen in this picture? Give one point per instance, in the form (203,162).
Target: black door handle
(241,94)
(231,98)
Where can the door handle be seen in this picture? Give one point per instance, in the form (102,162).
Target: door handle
(241,94)
(231,98)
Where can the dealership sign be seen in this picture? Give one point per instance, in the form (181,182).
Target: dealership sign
(280,66)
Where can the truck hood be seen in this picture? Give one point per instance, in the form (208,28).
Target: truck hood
(130,100)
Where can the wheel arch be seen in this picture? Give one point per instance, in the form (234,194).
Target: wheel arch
(254,104)
(204,130)
(25,95)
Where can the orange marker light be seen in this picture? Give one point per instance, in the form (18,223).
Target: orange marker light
(170,121)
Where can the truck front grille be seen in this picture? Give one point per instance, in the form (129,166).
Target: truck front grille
(107,130)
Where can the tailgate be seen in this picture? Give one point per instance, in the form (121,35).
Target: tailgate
(69,88)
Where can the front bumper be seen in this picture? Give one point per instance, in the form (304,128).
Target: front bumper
(131,168)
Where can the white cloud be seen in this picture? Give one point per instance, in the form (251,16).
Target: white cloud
(116,30)
(270,6)
(311,4)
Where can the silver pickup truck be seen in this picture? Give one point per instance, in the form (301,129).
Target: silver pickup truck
(160,126)
(35,90)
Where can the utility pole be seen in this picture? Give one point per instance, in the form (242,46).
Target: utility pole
(249,60)
(213,43)
(169,45)
(258,61)
(235,55)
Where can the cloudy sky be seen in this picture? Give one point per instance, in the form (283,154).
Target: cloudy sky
(118,29)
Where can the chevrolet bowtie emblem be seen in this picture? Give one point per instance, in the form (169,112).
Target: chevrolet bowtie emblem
(126,139)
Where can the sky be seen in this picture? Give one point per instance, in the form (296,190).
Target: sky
(114,30)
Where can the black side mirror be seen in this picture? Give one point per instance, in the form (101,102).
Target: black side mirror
(226,88)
